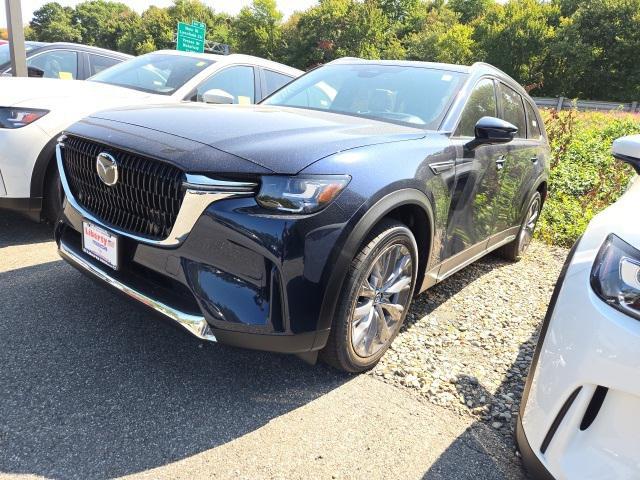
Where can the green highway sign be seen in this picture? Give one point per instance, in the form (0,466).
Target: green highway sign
(191,38)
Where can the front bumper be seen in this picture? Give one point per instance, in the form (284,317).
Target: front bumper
(578,417)
(231,273)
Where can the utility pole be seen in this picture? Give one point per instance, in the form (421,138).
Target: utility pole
(16,38)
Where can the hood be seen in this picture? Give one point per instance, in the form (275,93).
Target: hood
(50,92)
(284,140)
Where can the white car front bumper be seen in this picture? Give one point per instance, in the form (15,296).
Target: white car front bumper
(579,415)
(19,151)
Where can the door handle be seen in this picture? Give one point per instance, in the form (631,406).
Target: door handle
(534,159)
(500,162)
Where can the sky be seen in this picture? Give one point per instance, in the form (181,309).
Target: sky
(230,6)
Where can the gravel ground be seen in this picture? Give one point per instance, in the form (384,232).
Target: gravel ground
(467,343)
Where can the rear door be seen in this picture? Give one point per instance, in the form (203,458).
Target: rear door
(516,174)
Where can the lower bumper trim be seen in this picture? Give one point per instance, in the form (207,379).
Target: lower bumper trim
(196,325)
(531,462)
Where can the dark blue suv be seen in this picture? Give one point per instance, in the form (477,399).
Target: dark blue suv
(306,224)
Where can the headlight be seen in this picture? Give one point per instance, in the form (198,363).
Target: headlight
(616,276)
(303,194)
(17,117)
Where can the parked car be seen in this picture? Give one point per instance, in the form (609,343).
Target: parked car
(33,112)
(65,61)
(306,223)
(579,410)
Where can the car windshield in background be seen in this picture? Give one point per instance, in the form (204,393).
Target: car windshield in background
(5,55)
(154,73)
(409,95)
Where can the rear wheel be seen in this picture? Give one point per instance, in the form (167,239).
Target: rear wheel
(377,294)
(53,196)
(515,250)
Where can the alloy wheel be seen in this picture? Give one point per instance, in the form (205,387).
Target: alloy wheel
(526,234)
(383,298)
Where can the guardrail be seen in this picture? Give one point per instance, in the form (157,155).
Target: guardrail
(561,103)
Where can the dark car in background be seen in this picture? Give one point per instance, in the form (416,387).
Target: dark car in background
(306,224)
(66,61)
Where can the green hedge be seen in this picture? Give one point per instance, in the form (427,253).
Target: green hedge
(585,178)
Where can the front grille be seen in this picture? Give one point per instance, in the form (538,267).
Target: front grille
(146,199)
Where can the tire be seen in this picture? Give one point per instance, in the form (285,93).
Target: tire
(344,351)
(54,196)
(515,250)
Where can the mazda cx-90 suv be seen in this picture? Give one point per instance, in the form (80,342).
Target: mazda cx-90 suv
(306,224)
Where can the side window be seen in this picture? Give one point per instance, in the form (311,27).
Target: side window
(481,103)
(61,64)
(237,80)
(98,63)
(274,81)
(533,128)
(513,110)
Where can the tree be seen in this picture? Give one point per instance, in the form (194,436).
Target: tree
(469,10)
(516,38)
(594,56)
(103,23)
(442,38)
(257,29)
(54,23)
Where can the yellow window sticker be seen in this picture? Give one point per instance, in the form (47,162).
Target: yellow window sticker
(66,76)
(201,64)
(244,100)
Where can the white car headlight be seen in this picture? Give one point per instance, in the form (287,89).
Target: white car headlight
(616,276)
(18,117)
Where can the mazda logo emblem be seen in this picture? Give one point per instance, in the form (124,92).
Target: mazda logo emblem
(107,169)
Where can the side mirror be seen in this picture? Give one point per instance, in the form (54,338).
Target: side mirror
(492,131)
(217,96)
(627,149)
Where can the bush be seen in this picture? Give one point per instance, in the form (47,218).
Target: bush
(585,178)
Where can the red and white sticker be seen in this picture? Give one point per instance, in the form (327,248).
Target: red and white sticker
(100,244)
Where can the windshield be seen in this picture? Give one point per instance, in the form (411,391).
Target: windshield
(154,73)
(416,96)
(5,55)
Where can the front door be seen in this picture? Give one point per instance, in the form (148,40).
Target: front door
(471,218)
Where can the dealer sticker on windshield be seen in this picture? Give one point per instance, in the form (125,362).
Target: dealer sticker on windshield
(100,244)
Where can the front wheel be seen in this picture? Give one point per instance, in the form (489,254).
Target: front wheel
(515,250)
(374,303)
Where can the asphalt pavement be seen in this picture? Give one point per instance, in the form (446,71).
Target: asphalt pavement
(93,386)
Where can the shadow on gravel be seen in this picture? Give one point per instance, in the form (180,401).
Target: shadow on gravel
(481,443)
(481,448)
(428,301)
(18,230)
(95,387)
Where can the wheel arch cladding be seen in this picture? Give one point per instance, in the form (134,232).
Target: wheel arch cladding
(409,206)
(543,189)
(42,167)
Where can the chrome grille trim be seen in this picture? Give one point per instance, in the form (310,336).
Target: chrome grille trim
(200,193)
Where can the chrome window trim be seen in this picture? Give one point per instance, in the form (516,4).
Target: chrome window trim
(201,192)
(194,324)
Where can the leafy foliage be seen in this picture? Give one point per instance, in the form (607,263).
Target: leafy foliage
(585,178)
(567,48)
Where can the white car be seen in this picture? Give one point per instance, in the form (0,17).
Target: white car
(579,416)
(33,112)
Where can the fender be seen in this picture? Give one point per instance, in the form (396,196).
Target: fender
(41,167)
(407,196)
